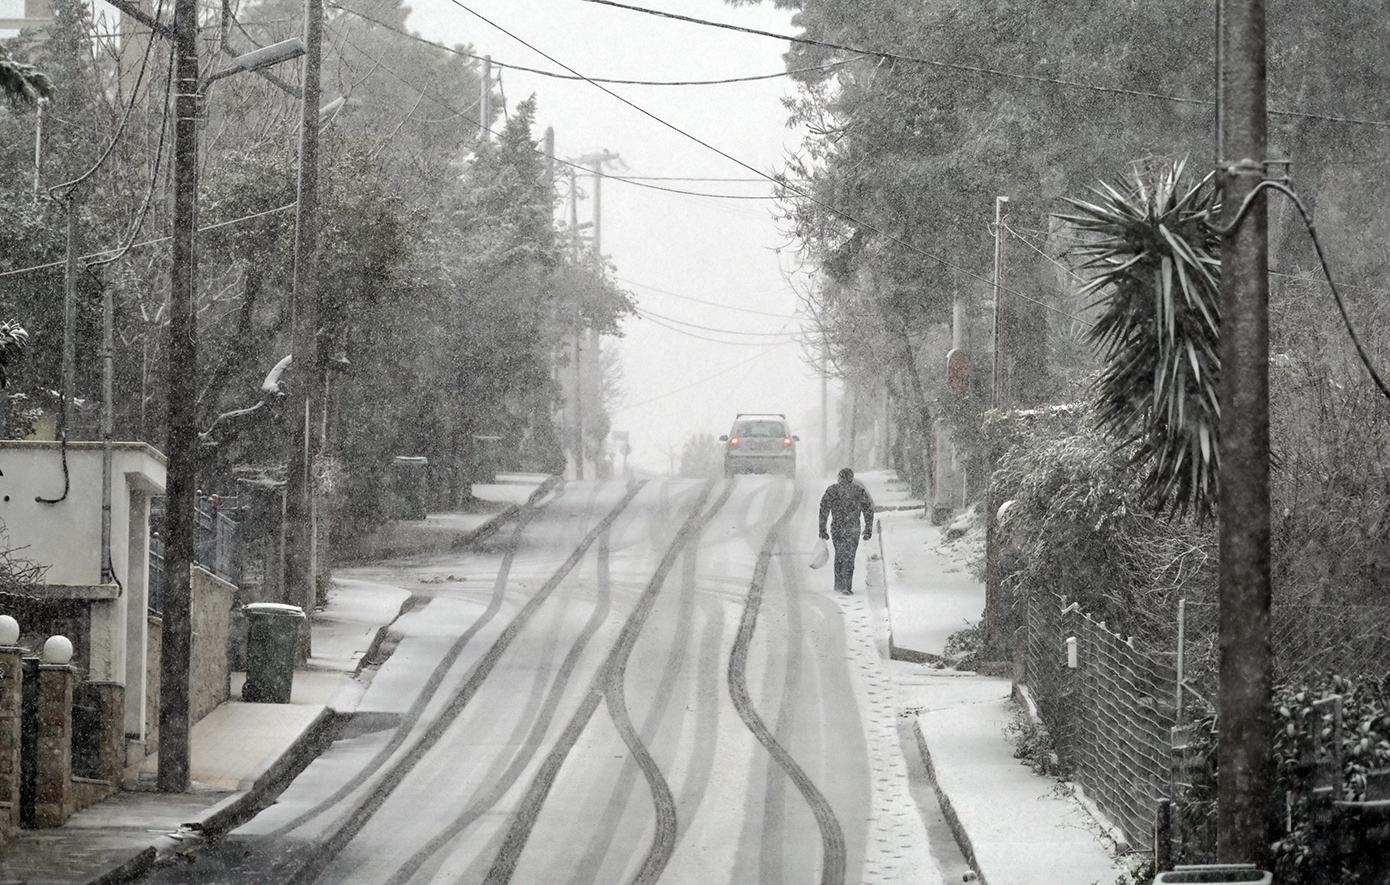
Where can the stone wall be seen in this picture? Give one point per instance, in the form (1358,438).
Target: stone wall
(210,676)
(11,680)
(152,658)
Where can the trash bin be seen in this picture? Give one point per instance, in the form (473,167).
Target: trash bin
(1215,874)
(272,643)
(487,451)
(409,486)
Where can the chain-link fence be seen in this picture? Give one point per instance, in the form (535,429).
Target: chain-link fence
(1109,707)
(1121,724)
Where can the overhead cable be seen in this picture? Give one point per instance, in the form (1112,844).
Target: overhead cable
(105,252)
(724,371)
(783,183)
(558,76)
(653,315)
(780,316)
(973,69)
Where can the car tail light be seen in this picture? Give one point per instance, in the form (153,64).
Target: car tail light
(786,441)
(733,440)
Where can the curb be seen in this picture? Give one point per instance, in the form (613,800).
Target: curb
(492,526)
(127,870)
(896,652)
(260,789)
(948,810)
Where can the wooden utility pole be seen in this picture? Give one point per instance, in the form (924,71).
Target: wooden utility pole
(301,560)
(181,448)
(1245,768)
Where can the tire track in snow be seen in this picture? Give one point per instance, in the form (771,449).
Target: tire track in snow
(529,809)
(832,836)
(363,811)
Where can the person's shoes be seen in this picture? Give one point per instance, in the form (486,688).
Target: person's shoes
(844,591)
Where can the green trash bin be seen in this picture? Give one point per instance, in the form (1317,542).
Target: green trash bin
(409,487)
(1215,874)
(272,644)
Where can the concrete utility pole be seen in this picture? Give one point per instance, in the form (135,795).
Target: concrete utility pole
(485,101)
(998,399)
(1245,767)
(301,559)
(586,366)
(999,380)
(181,448)
(182,378)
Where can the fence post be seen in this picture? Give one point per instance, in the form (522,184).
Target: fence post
(1182,648)
(1163,836)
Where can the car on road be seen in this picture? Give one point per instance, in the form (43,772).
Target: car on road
(760,443)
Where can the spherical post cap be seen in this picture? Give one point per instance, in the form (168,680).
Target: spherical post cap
(57,650)
(9,631)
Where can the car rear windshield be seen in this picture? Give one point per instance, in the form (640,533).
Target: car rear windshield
(760,428)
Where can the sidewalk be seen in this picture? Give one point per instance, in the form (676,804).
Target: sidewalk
(1015,827)
(242,755)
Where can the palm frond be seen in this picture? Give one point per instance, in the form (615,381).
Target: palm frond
(1155,271)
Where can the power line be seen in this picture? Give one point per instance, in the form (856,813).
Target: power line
(726,370)
(680,331)
(559,76)
(1064,267)
(779,182)
(648,314)
(973,69)
(635,181)
(780,316)
(105,252)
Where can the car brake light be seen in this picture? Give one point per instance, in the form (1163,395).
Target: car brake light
(733,441)
(786,441)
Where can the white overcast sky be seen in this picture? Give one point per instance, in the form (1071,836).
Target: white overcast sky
(728,252)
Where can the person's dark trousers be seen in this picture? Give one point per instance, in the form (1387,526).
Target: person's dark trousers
(845,548)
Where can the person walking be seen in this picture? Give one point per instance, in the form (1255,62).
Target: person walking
(844,502)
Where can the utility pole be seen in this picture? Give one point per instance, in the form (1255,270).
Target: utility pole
(1245,767)
(998,399)
(180,448)
(485,100)
(301,559)
(999,378)
(592,351)
(585,340)
(576,403)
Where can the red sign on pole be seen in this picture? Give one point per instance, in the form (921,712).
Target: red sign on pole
(958,370)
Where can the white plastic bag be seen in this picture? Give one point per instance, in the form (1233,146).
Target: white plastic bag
(821,555)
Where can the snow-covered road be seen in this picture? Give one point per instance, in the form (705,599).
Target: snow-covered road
(638,683)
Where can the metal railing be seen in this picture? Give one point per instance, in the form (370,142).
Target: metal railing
(216,546)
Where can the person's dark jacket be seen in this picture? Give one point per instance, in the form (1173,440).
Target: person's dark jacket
(844,502)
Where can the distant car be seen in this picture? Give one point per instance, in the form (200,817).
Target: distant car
(760,444)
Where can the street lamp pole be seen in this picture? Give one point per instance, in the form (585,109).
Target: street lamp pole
(301,558)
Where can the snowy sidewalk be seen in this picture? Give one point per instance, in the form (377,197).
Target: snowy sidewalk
(1015,827)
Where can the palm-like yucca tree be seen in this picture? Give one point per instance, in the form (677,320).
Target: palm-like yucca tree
(12,341)
(1156,265)
(21,83)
